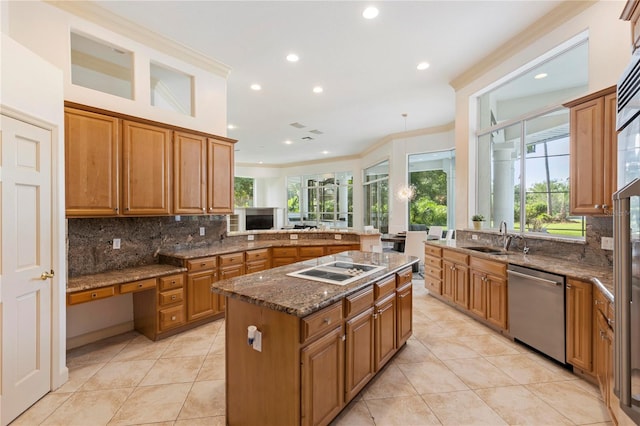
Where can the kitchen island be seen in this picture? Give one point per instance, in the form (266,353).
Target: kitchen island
(319,344)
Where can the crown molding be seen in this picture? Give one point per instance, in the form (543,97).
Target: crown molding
(410,134)
(104,18)
(558,16)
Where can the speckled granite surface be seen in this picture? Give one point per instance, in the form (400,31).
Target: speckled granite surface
(296,296)
(599,275)
(121,276)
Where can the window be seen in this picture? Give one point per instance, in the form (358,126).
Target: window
(522,169)
(432,175)
(243,191)
(376,196)
(171,90)
(324,200)
(101,66)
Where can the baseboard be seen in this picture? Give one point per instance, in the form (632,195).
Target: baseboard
(94,336)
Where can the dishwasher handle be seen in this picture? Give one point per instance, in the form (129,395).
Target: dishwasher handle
(540,280)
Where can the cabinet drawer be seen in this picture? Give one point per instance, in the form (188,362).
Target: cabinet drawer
(432,251)
(488,266)
(432,262)
(384,287)
(321,322)
(230,259)
(202,264)
(358,302)
(404,277)
(138,285)
(171,282)
(435,273)
(257,255)
(89,295)
(171,317)
(433,285)
(455,256)
(171,296)
(285,252)
(311,251)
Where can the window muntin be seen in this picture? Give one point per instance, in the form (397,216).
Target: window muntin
(376,196)
(324,200)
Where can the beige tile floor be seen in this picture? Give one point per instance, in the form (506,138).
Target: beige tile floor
(453,371)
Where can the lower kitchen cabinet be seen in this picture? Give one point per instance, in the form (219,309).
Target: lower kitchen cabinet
(360,366)
(323,378)
(404,306)
(385,330)
(201,302)
(433,269)
(455,283)
(579,299)
(231,265)
(488,290)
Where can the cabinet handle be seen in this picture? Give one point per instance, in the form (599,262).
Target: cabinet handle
(597,206)
(344,337)
(173,318)
(116,209)
(568,286)
(327,321)
(597,302)
(173,297)
(139,285)
(203,264)
(173,282)
(94,295)
(604,206)
(203,209)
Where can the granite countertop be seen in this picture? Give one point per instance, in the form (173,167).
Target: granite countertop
(236,246)
(300,297)
(121,276)
(602,277)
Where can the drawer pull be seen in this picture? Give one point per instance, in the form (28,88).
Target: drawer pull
(173,318)
(139,285)
(327,321)
(173,297)
(173,282)
(203,264)
(94,295)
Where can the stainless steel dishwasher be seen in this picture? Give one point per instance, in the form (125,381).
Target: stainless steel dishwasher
(537,310)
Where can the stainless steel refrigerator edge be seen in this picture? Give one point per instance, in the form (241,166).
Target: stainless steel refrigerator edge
(626,228)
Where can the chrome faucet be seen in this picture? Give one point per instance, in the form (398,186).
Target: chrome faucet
(503,225)
(506,238)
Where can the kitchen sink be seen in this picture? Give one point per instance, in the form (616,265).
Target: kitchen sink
(487,250)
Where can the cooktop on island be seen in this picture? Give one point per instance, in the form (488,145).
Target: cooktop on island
(338,272)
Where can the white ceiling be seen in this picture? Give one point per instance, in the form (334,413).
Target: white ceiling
(366,67)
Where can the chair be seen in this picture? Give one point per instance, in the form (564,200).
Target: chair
(414,246)
(435,233)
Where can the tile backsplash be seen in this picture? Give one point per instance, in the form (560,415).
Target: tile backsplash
(90,241)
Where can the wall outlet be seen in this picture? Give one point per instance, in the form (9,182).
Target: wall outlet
(177,218)
(116,243)
(337,236)
(293,236)
(202,231)
(474,237)
(250,237)
(606,243)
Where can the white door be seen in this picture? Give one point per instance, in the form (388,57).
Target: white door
(25,254)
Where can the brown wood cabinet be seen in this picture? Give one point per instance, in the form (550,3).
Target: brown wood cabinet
(257,260)
(92,163)
(220,169)
(189,173)
(360,340)
(631,13)
(433,269)
(385,329)
(201,302)
(593,153)
(488,290)
(231,265)
(455,283)
(579,324)
(603,350)
(404,300)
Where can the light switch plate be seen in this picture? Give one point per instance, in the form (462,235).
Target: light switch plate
(474,237)
(116,243)
(293,236)
(250,237)
(202,231)
(337,236)
(606,243)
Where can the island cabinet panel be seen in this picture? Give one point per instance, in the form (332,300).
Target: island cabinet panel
(405,312)
(360,341)
(385,330)
(323,378)
(262,388)
(146,162)
(189,173)
(92,162)
(579,300)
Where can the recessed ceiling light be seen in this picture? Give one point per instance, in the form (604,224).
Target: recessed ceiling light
(231,126)
(256,86)
(325,152)
(292,57)
(423,66)
(288,142)
(370,12)
(318,89)
(540,76)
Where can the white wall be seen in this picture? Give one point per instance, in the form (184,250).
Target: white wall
(45,29)
(609,52)
(32,90)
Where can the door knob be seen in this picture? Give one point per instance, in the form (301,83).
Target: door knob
(45,275)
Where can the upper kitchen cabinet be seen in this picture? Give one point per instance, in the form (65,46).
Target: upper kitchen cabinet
(220,176)
(146,162)
(91,163)
(631,13)
(189,173)
(593,153)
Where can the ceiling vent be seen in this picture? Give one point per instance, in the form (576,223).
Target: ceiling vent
(307,138)
(317,132)
(297,125)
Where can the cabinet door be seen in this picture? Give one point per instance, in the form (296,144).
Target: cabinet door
(600,352)
(219,176)
(478,293)
(579,324)
(497,301)
(92,152)
(586,159)
(461,285)
(231,271)
(405,312)
(448,279)
(323,378)
(258,265)
(146,153)
(201,303)
(360,366)
(610,152)
(189,173)
(385,328)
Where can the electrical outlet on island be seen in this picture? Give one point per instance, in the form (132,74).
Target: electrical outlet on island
(202,231)
(250,237)
(116,243)
(293,236)
(474,237)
